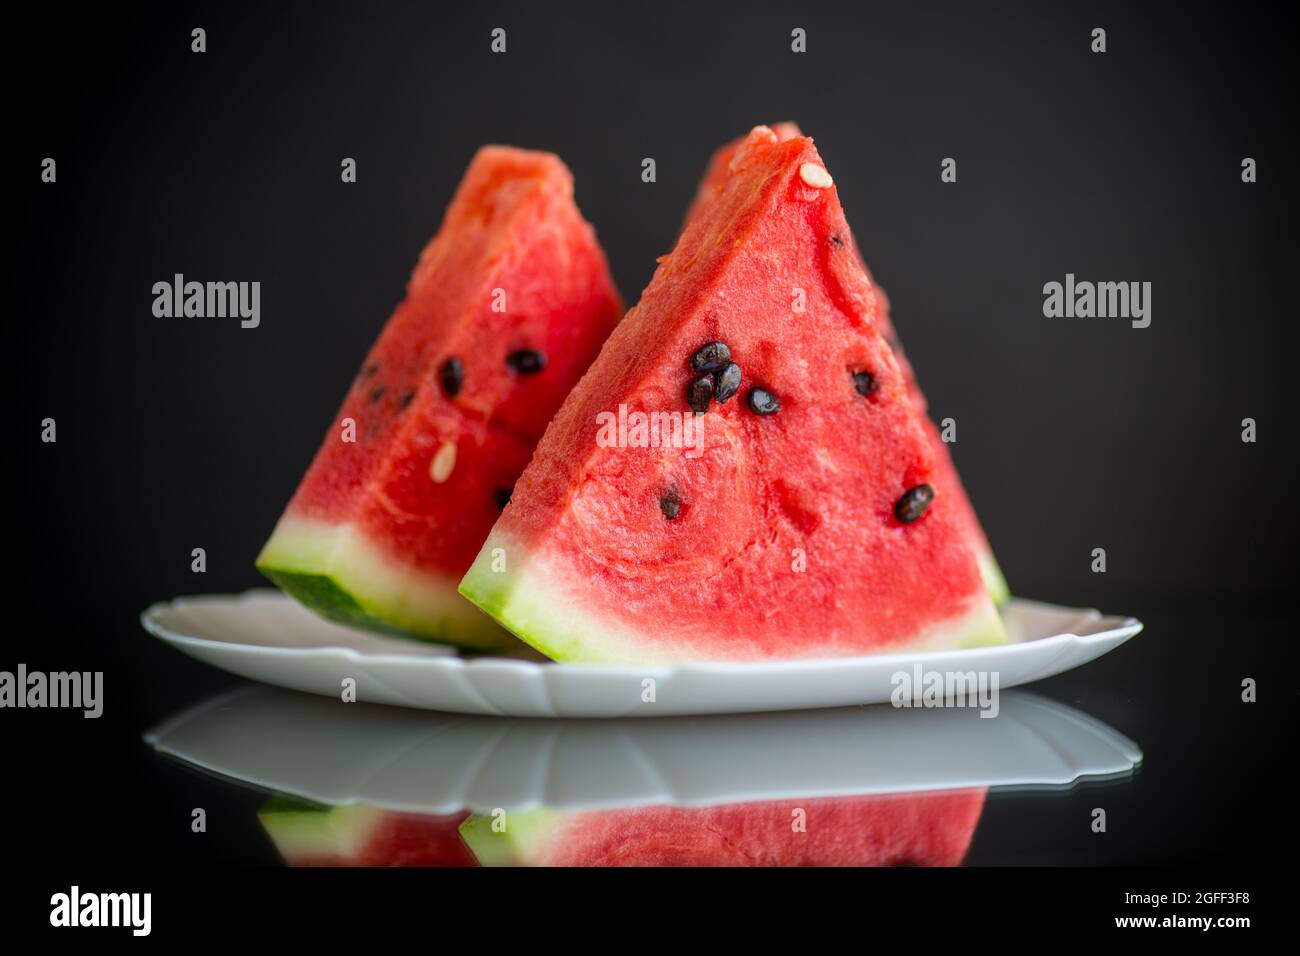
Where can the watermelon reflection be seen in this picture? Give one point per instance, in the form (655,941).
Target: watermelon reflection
(362,784)
(916,829)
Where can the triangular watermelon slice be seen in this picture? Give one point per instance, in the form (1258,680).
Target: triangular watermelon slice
(946,479)
(507,307)
(806,523)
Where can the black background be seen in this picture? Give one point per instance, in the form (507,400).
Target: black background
(1073,433)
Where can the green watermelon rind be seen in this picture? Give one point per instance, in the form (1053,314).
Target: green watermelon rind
(303,830)
(285,803)
(324,596)
(359,590)
(523,600)
(516,845)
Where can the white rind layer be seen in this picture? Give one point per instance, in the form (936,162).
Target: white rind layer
(397,596)
(526,598)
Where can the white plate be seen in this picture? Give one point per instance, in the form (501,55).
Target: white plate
(269,637)
(343,754)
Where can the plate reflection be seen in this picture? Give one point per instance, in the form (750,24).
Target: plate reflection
(368,785)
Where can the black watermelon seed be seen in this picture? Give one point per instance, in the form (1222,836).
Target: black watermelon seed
(763,402)
(503,497)
(377,394)
(407,397)
(728,383)
(864,382)
(699,393)
(912,505)
(670,504)
(452,376)
(836,241)
(711,358)
(371,370)
(526,361)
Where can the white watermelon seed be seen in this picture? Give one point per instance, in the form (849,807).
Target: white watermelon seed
(443,461)
(816,176)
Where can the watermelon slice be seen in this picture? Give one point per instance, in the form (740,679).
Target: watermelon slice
(927,829)
(305,834)
(946,479)
(507,307)
(805,522)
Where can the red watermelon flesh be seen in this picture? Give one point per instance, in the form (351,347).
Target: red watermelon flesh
(783,535)
(306,835)
(927,829)
(507,307)
(719,170)
(947,481)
